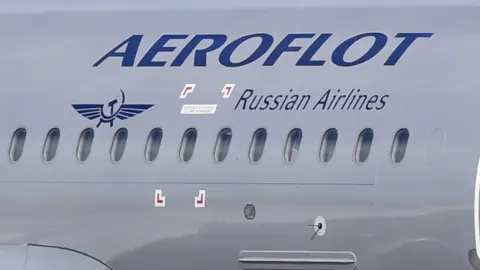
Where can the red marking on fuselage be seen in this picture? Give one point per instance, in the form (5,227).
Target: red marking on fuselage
(186,90)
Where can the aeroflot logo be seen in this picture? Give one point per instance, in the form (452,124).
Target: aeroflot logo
(225,47)
(124,111)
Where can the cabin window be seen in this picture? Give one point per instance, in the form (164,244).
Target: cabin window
(51,144)
(85,142)
(328,144)
(222,145)
(119,144)
(17,143)
(153,144)
(399,146)
(257,145)
(188,144)
(292,146)
(363,145)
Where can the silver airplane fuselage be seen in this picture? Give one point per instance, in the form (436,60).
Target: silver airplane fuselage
(282,207)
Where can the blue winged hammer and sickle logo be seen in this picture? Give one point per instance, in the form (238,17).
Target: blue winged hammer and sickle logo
(125,111)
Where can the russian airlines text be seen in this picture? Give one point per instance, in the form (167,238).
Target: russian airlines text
(353,100)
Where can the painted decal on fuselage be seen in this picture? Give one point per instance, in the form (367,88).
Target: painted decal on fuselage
(261,100)
(93,111)
(331,99)
(226,46)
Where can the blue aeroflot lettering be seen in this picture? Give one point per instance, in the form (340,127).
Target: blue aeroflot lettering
(128,49)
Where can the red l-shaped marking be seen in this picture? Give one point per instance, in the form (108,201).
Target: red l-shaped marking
(186,90)
(159,200)
(201,199)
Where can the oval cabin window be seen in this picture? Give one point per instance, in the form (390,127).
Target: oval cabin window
(188,144)
(222,145)
(364,145)
(257,145)
(85,142)
(51,144)
(153,144)
(292,146)
(399,146)
(119,144)
(328,144)
(17,143)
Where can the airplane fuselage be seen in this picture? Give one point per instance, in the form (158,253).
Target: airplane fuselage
(348,138)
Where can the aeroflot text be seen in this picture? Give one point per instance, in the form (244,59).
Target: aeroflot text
(258,45)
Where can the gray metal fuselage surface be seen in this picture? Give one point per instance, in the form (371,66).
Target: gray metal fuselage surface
(239,136)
